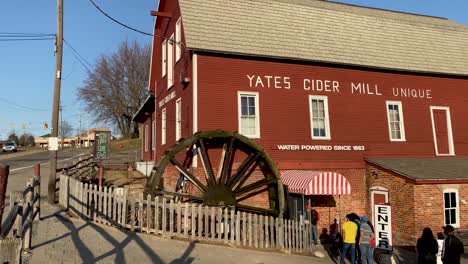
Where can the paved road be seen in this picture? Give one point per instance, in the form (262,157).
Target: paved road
(22,163)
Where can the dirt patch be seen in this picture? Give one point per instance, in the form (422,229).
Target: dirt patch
(131,180)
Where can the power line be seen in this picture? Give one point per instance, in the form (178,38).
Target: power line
(118,22)
(22,106)
(80,58)
(24,39)
(21,34)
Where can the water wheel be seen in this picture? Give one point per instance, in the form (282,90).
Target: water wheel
(232,170)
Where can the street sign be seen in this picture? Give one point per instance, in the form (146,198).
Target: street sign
(53,143)
(101,145)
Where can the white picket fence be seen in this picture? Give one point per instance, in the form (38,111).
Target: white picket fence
(183,220)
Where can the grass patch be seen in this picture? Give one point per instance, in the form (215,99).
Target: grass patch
(125,144)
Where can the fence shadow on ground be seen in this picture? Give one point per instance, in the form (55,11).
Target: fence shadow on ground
(86,254)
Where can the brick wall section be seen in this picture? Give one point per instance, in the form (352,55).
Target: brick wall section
(429,206)
(400,197)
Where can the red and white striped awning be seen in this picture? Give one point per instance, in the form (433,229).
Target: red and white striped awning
(315,182)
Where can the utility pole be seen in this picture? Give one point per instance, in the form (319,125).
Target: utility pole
(61,131)
(55,107)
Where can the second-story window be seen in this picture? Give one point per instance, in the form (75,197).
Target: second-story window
(178,119)
(163,127)
(249,120)
(319,117)
(170,62)
(178,39)
(396,126)
(164,58)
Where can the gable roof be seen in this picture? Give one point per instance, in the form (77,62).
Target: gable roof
(426,168)
(323,31)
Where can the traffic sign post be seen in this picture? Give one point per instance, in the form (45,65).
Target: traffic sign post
(101,149)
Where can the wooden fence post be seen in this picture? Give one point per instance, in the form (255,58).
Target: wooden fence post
(4,171)
(28,205)
(37,178)
(18,227)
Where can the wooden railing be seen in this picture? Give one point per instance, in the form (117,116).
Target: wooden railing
(16,229)
(85,168)
(183,220)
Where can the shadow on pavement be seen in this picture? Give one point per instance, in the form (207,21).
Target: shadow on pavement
(185,258)
(86,254)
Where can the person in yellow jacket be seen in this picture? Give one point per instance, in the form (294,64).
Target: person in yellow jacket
(349,232)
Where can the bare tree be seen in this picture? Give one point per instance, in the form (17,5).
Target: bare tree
(65,129)
(116,88)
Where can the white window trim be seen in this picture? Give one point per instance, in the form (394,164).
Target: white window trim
(327,117)
(402,121)
(170,62)
(164,58)
(457,209)
(178,39)
(178,128)
(146,137)
(449,130)
(163,126)
(257,114)
(377,190)
(153,135)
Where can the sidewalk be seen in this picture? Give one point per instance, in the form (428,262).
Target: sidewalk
(61,239)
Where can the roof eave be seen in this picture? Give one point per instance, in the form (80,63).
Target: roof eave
(148,105)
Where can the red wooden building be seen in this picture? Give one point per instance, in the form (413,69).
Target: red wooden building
(375,98)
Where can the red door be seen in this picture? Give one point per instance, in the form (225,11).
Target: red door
(441,131)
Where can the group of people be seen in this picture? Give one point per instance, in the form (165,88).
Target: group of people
(427,247)
(357,239)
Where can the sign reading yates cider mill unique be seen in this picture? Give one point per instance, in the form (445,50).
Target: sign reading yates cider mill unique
(333,86)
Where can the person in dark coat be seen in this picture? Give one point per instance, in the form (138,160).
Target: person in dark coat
(453,247)
(427,247)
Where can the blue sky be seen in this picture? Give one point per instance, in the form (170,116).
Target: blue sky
(27,67)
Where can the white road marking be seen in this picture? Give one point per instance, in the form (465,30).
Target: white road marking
(28,167)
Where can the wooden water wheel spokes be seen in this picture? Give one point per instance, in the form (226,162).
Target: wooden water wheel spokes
(235,171)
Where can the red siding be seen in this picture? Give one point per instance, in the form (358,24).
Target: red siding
(165,27)
(355,118)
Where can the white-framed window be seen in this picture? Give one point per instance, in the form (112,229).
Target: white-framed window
(153,135)
(396,125)
(170,62)
(451,208)
(319,119)
(164,58)
(249,116)
(178,39)
(146,137)
(178,128)
(163,127)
